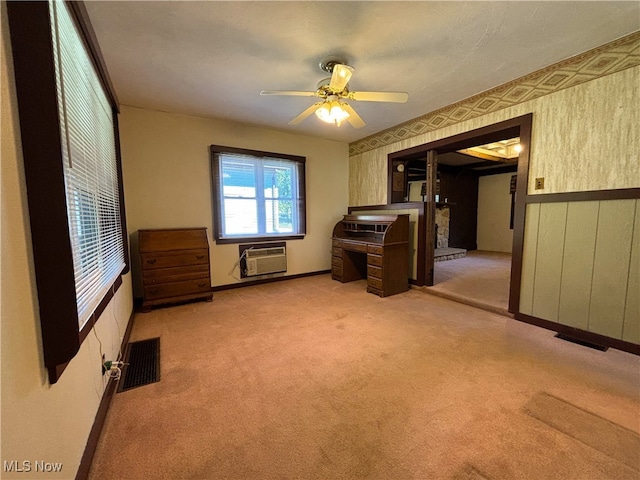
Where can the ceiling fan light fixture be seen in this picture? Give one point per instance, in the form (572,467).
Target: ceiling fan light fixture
(331,90)
(332,112)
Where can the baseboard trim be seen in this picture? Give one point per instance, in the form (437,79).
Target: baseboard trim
(101,415)
(579,334)
(267,280)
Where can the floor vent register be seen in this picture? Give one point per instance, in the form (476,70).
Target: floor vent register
(584,343)
(142,364)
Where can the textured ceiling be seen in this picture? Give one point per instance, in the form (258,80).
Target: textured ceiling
(212,58)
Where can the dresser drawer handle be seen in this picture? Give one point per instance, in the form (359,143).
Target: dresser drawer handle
(151,261)
(202,284)
(199,257)
(154,291)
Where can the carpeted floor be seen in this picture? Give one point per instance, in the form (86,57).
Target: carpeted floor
(480,279)
(313,379)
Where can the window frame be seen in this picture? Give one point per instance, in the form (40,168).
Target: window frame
(35,82)
(299,203)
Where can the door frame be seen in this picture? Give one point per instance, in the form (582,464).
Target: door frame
(515,127)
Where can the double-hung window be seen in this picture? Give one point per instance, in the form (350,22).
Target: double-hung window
(257,195)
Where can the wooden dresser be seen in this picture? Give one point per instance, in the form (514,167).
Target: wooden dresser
(375,247)
(175,266)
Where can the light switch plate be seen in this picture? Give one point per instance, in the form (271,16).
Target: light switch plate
(539,183)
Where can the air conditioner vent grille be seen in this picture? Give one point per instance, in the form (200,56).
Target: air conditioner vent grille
(262,261)
(265,252)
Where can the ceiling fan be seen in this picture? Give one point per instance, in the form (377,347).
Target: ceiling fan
(333,92)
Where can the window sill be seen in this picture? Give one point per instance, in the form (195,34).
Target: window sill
(223,241)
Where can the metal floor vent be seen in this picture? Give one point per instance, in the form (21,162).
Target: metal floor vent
(567,338)
(143,364)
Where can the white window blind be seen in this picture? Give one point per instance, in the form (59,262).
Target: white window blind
(90,168)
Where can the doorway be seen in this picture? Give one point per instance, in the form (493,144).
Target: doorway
(445,177)
(474,224)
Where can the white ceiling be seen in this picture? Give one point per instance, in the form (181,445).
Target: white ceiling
(212,58)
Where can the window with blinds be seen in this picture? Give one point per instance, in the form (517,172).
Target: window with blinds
(257,195)
(70,148)
(90,166)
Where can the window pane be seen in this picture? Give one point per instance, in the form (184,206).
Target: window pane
(279,215)
(238,178)
(240,217)
(277,182)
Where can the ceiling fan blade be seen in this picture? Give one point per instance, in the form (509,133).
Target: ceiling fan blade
(340,77)
(305,114)
(354,119)
(295,93)
(395,97)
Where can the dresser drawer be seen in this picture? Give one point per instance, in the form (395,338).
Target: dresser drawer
(377,249)
(374,283)
(175,259)
(374,271)
(174,289)
(175,274)
(374,260)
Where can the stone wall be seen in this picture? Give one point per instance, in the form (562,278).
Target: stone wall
(442,220)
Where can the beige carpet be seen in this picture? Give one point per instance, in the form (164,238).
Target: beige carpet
(480,279)
(313,379)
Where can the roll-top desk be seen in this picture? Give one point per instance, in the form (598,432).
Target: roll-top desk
(175,266)
(375,247)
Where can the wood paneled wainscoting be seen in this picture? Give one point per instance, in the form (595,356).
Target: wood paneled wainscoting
(581,266)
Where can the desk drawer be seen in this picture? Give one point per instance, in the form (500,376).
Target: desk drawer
(374,283)
(175,289)
(377,249)
(374,271)
(175,259)
(336,243)
(336,251)
(374,260)
(354,247)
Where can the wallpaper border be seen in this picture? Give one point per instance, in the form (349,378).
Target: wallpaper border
(609,58)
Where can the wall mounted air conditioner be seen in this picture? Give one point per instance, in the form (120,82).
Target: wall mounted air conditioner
(261,261)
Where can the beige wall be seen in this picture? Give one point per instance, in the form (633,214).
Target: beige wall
(166,167)
(494,213)
(40,421)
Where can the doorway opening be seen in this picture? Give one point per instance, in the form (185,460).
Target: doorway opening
(473,187)
(475,204)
